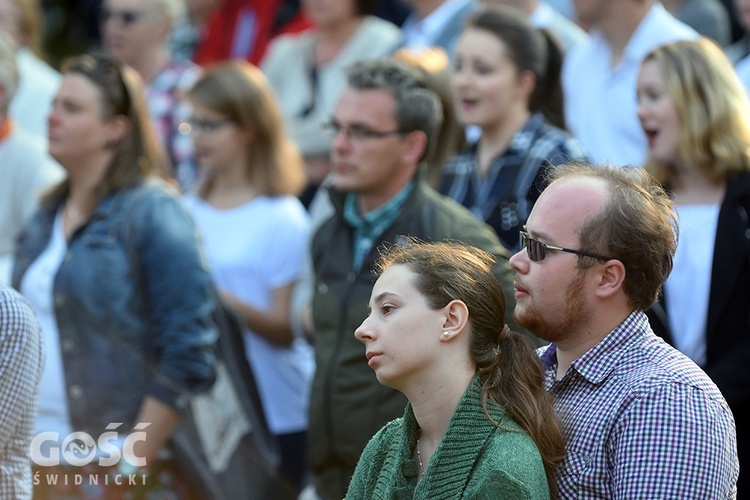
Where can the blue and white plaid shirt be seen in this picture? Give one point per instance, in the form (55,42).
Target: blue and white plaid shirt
(515,178)
(640,420)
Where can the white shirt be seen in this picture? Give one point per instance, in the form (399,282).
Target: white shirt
(252,250)
(688,287)
(37,287)
(37,87)
(569,33)
(600,100)
(425,32)
(26,170)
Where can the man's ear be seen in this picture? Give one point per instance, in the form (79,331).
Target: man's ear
(416,144)
(611,278)
(455,319)
(527,83)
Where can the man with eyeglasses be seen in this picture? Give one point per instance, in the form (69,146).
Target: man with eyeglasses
(381,127)
(135,32)
(639,419)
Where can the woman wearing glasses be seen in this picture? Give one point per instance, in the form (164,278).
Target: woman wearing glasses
(255,234)
(114,271)
(696,116)
(507,83)
(479,423)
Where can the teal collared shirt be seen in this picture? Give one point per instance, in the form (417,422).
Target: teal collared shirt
(368,227)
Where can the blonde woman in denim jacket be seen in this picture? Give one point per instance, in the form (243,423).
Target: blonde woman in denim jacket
(113,267)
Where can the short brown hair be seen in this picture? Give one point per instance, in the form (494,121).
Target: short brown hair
(638,227)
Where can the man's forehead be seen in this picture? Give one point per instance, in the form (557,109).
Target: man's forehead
(568,202)
(364,106)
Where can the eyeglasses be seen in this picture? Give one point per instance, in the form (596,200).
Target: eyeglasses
(126,17)
(356,132)
(207,125)
(538,250)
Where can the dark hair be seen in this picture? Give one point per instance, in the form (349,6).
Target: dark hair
(417,105)
(638,227)
(530,49)
(365,7)
(508,366)
(138,154)
(239,91)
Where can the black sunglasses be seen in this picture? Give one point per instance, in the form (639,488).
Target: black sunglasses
(538,250)
(124,16)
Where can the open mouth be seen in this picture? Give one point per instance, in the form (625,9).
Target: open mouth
(651,135)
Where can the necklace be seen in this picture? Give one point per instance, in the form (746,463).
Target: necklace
(419,459)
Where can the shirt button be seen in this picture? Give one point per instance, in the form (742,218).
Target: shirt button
(67,345)
(59,300)
(75,391)
(322,288)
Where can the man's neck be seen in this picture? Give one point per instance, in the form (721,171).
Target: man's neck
(620,27)
(587,337)
(151,64)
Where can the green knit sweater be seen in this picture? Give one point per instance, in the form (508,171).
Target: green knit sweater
(475,459)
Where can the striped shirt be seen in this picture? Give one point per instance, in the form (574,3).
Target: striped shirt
(640,420)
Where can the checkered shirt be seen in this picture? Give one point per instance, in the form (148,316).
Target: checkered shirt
(515,178)
(641,421)
(167,110)
(21,364)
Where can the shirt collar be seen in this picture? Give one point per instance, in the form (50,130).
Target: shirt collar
(598,362)
(641,43)
(384,213)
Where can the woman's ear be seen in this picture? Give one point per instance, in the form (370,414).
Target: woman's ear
(117,127)
(456,317)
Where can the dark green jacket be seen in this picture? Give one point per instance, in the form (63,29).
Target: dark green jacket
(348,405)
(475,459)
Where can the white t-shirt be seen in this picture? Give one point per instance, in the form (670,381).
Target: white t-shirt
(688,287)
(252,250)
(600,100)
(37,286)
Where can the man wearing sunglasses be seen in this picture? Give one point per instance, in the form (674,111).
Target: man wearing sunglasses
(135,32)
(381,128)
(640,420)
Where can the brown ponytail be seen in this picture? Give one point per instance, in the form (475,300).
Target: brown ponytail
(509,369)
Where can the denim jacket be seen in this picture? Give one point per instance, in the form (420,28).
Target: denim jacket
(133,304)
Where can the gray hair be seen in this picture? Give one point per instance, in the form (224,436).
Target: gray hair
(8,72)
(417,106)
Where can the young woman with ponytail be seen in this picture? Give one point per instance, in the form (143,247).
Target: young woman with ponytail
(479,423)
(506,84)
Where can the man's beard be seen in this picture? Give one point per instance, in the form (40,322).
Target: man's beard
(554,325)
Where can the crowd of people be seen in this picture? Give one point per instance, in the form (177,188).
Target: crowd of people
(397,201)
